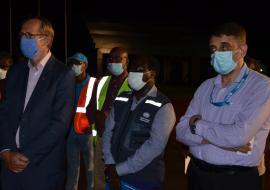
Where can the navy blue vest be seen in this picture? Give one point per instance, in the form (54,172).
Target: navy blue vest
(132,129)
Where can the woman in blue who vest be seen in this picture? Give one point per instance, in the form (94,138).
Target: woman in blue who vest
(137,131)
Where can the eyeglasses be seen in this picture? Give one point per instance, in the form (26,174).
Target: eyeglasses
(29,35)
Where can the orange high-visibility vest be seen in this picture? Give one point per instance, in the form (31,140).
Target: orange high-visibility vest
(81,122)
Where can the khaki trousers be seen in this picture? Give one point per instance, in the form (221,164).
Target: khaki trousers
(99,177)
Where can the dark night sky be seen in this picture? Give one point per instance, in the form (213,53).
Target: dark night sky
(199,16)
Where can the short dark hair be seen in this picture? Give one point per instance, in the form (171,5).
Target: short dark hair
(5,55)
(150,61)
(231,29)
(120,49)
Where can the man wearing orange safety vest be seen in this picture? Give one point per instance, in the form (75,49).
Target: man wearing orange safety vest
(108,89)
(80,135)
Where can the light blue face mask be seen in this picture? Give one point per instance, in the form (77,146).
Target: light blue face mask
(29,47)
(115,68)
(223,62)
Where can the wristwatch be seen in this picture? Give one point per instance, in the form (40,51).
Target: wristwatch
(193,126)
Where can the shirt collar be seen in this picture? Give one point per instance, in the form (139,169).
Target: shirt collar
(152,92)
(42,63)
(243,70)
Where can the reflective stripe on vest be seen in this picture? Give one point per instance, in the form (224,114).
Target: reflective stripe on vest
(99,88)
(81,110)
(123,99)
(158,104)
(85,96)
(81,123)
(94,132)
(103,87)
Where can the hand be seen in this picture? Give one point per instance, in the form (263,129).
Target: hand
(244,149)
(100,118)
(204,141)
(15,161)
(112,177)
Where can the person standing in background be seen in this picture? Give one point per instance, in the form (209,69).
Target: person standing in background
(80,135)
(108,88)
(5,63)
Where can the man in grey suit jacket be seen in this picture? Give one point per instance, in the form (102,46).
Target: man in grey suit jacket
(35,113)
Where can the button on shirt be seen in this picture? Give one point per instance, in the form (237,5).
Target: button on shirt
(246,119)
(34,74)
(161,128)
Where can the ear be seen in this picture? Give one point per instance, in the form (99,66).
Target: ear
(244,49)
(45,41)
(149,76)
(48,41)
(125,66)
(84,66)
(153,74)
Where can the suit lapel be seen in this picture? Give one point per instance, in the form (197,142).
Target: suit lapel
(42,84)
(23,80)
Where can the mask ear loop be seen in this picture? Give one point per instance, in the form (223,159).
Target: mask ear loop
(145,73)
(44,37)
(238,51)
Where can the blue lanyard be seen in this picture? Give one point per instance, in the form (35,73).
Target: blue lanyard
(230,94)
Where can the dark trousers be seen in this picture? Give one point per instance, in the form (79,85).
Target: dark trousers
(201,177)
(0,173)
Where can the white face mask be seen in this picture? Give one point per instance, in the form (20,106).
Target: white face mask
(77,69)
(3,73)
(135,80)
